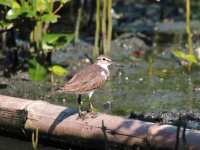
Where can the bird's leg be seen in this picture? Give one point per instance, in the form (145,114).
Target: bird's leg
(79,104)
(92,108)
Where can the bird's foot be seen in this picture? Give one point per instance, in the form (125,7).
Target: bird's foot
(93,114)
(92,111)
(82,115)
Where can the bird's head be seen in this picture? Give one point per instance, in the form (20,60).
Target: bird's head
(104,61)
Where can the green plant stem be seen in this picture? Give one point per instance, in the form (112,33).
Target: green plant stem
(150,66)
(46,25)
(3,40)
(97,32)
(78,22)
(52,78)
(35,136)
(109,31)
(58,9)
(188,31)
(36,34)
(104,37)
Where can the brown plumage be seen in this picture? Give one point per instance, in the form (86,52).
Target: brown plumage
(87,80)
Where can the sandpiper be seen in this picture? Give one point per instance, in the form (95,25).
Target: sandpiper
(87,80)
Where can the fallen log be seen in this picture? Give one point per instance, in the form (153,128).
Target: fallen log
(101,129)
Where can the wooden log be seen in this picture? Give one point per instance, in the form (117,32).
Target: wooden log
(65,124)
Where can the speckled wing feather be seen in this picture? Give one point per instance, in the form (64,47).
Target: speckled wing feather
(90,78)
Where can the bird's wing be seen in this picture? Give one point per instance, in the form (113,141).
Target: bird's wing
(88,79)
(94,83)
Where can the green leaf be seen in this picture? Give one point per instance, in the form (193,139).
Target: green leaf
(5,25)
(36,71)
(65,1)
(27,9)
(56,40)
(41,5)
(6,2)
(191,58)
(46,47)
(188,57)
(13,14)
(58,70)
(16,10)
(15,5)
(179,54)
(51,38)
(50,18)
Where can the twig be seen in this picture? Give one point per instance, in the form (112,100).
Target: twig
(58,9)
(105,136)
(35,136)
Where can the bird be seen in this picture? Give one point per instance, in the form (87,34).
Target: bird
(89,79)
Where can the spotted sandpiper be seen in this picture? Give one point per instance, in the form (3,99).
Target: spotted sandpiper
(87,80)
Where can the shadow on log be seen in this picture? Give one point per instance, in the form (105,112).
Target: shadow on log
(96,130)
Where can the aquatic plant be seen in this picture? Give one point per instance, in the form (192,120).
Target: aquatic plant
(78,21)
(41,12)
(36,70)
(190,58)
(52,41)
(104,16)
(187,58)
(104,26)
(58,71)
(109,31)
(97,31)
(188,31)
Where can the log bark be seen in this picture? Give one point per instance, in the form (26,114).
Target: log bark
(64,123)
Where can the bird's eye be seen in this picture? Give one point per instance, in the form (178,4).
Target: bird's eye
(104,59)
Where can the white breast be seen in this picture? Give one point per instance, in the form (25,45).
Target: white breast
(104,66)
(104,75)
(107,73)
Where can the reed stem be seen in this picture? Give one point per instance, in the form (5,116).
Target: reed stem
(97,32)
(109,31)
(78,22)
(150,66)
(104,29)
(188,31)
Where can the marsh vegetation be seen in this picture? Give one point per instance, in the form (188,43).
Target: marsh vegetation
(43,43)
